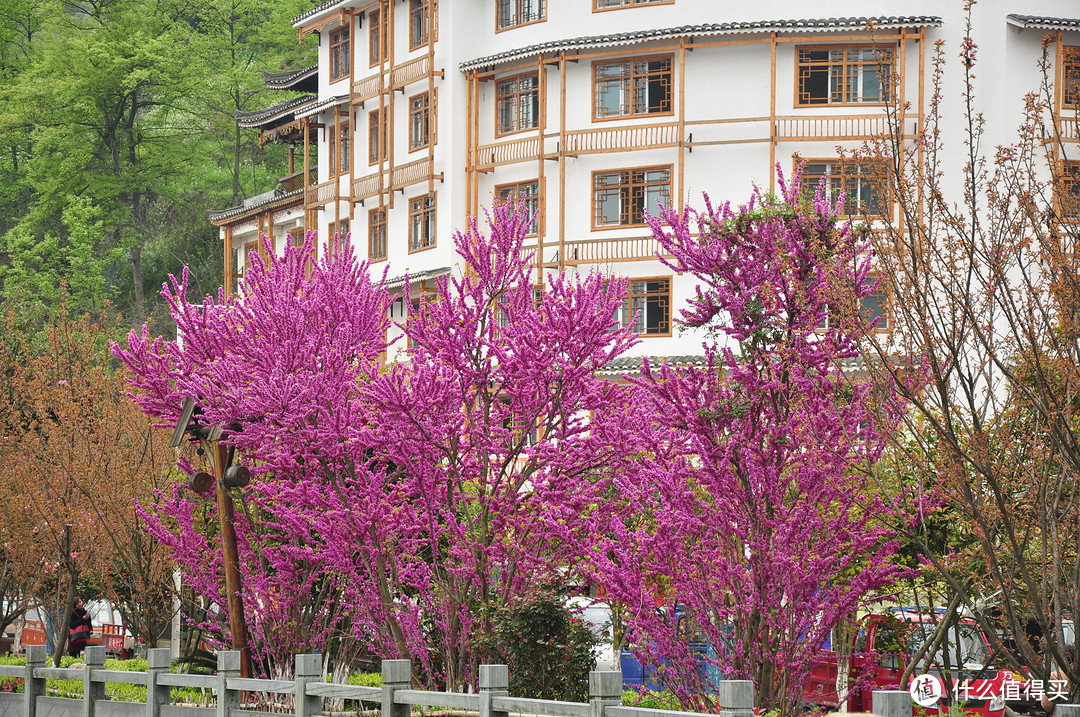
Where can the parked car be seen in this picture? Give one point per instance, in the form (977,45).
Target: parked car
(885,643)
(636,674)
(597,615)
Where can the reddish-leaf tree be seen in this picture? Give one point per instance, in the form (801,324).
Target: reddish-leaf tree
(749,513)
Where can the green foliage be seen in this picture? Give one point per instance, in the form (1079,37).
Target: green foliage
(651,699)
(549,652)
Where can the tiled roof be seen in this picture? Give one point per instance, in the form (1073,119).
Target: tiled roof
(289,79)
(318,107)
(317,10)
(632,364)
(279,111)
(1035,22)
(252,204)
(832,24)
(399,281)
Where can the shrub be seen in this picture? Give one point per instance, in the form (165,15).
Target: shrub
(549,652)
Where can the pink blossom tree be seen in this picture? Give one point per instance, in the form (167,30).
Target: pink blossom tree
(751,514)
(411,501)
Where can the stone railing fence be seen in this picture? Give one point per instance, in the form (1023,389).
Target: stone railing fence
(307,692)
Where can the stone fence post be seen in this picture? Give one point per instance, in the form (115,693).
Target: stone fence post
(494,682)
(94,658)
(396,675)
(33,687)
(308,669)
(1066,710)
(228,665)
(158,660)
(736,697)
(893,703)
(605,690)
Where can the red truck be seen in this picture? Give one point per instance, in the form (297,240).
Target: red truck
(884,645)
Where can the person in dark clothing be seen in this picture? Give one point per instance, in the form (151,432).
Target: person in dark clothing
(79,633)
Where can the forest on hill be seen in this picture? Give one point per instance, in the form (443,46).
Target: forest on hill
(117,135)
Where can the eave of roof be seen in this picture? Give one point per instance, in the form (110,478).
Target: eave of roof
(1036,22)
(282,110)
(288,80)
(822,25)
(225,216)
(318,107)
(399,281)
(325,7)
(632,364)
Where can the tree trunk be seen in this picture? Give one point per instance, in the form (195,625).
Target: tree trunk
(136,277)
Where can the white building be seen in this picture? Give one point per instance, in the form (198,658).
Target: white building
(420,112)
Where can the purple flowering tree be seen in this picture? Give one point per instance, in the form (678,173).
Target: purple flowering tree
(750,518)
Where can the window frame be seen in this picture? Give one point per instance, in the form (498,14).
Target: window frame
(885,301)
(377,219)
(420,213)
(626,310)
(516,97)
(419,9)
(512,190)
(343,131)
(377,127)
(670,72)
(843,163)
(427,113)
(377,49)
(340,67)
(1070,77)
(342,227)
(884,87)
(624,4)
(1067,200)
(499,27)
(596,189)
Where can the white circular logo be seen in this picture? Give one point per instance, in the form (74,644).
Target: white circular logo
(926,690)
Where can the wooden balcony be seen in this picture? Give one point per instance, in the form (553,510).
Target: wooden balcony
(321,194)
(490,156)
(803,128)
(366,88)
(295,181)
(607,250)
(405,175)
(1069,128)
(411,71)
(618,139)
(401,76)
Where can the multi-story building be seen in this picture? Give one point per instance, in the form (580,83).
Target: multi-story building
(419,113)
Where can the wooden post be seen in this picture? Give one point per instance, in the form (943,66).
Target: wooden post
(892,703)
(158,660)
(233,585)
(605,690)
(94,657)
(228,665)
(229,268)
(308,670)
(736,697)
(33,686)
(494,682)
(682,125)
(541,204)
(772,113)
(562,161)
(396,675)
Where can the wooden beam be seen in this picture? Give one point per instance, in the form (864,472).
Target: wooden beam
(772,112)
(562,160)
(541,199)
(682,125)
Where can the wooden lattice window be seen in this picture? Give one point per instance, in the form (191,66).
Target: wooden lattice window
(376,38)
(418,22)
(527,192)
(863,183)
(344,145)
(517,103)
(621,197)
(377,233)
(511,13)
(646,308)
(617,4)
(377,135)
(420,118)
(632,87)
(1069,195)
(843,75)
(339,53)
(422,222)
(340,228)
(1070,77)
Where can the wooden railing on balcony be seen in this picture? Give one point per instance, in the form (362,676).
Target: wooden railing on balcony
(367,186)
(1069,128)
(366,88)
(617,139)
(604,250)
(321,194)
(413,173)
(837,128)
(410,71)
(295,181)
(516,150)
